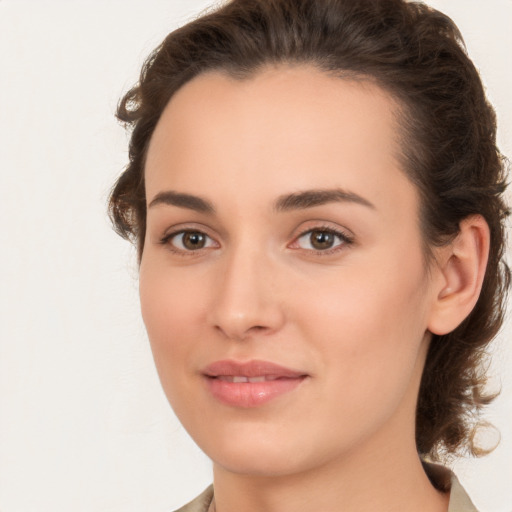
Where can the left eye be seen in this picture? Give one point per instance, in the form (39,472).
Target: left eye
(321,240)
(190,240)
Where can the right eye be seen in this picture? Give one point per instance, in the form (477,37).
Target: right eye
(189,240)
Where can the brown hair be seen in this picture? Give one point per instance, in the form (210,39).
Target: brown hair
(448,142)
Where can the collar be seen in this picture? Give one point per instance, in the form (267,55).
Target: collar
(441,477)
(445,480)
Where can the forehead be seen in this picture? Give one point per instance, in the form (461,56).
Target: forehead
(286,127)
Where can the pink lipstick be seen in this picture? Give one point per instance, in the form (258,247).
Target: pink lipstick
(250,384)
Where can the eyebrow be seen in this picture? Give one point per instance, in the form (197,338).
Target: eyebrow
(296,201)
(312,198)
(189,201)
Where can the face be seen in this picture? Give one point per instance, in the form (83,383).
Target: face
(282,283)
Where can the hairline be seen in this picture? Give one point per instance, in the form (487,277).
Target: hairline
(401,114)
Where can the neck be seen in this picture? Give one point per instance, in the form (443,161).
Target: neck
(377,481)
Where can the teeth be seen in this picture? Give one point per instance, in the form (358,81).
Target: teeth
(257,379)
(237,379)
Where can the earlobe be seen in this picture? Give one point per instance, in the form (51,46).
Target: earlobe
(461,271)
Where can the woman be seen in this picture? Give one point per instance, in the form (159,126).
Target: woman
(314,189)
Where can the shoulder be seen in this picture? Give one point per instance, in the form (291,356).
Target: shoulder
(446,481)
(199,504)
(459,499)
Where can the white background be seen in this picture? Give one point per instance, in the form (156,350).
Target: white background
(84,425)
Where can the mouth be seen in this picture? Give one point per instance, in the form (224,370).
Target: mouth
(250,384)
(242,378)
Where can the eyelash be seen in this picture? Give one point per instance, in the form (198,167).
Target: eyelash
(344,238)
(166,240)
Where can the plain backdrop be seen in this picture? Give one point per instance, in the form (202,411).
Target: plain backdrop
(84,425)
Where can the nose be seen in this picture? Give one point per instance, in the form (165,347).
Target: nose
(246,303)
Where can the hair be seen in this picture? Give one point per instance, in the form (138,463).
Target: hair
(448,149)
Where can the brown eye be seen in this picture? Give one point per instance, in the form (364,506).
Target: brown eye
(193,240)
(322,240)
(189,240)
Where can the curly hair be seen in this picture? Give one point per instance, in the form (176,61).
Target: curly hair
(448,146)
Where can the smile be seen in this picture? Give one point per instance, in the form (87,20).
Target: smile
(241,378)
(250,384)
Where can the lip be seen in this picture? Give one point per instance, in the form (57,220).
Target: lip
(274,381)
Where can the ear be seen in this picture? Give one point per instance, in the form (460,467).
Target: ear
(459,273)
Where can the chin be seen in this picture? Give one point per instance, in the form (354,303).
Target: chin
(262,452)
(258,463)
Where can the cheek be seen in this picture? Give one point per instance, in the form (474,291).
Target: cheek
(171,310)
(368,323)
(385,299)
(170,314)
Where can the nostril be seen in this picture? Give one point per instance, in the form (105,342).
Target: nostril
(257,328)
(242,333)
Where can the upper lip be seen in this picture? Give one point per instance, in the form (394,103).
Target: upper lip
(254,368)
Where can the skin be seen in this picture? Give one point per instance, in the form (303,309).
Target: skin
(355,318)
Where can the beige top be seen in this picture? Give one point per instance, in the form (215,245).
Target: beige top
(459,500)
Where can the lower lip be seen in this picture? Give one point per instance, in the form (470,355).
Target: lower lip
(250,394)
